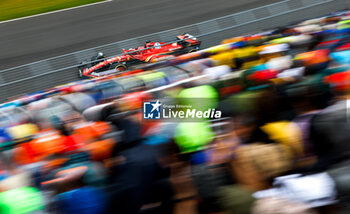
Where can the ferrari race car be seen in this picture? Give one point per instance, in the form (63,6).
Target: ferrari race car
(99,65)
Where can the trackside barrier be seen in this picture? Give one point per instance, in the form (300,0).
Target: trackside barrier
(48,73)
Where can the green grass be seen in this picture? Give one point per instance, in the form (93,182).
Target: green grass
(11,9)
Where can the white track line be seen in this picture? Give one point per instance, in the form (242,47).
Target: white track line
(56,11)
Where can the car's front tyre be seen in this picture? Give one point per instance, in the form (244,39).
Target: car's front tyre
(119,67)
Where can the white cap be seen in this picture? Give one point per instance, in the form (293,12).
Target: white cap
(312,21)
(275,48)
(293,72)
(308,28)
(216,72)
(301,39)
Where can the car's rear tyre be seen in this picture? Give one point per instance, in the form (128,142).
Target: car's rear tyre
(192,50)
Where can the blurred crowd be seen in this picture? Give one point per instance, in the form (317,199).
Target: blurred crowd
(281,146)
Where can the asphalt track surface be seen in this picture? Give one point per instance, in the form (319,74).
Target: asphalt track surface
(41,37)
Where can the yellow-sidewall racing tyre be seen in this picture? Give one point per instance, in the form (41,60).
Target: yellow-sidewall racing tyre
(192,50)
(120,67)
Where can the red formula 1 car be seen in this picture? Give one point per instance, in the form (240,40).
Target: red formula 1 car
(150,52)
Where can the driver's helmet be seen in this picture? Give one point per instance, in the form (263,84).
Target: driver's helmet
(100,55)
(157,45)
